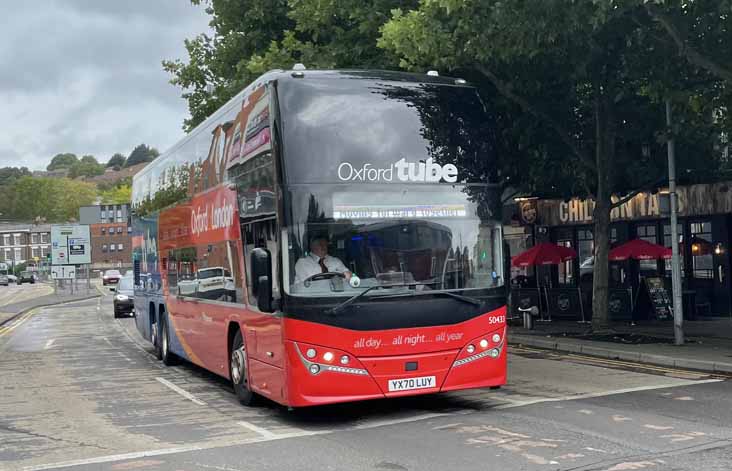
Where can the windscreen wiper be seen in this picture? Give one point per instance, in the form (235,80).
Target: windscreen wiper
(353,299)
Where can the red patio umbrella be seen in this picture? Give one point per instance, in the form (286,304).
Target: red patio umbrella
(545,253)
(638,249)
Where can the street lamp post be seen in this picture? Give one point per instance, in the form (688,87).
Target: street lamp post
(675,260)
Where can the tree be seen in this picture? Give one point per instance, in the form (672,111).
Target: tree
(141,154)
(86,167)
(590,76)
(56,199)
(117,195)
(9,174)
(117,161)
(253,36)
(62,161)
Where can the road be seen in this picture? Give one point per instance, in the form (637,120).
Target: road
(80,390)
(14,293)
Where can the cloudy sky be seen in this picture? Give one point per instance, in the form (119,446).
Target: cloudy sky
(84,76)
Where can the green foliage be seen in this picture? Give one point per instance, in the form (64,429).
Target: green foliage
(117,161)
(254,36)
(62,161)
(140,154)
(9,174)
(86,167)
(55,199)
(118,195)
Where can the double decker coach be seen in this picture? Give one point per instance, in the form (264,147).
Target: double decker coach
(328,236)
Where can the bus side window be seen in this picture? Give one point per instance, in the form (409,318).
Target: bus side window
(261,234)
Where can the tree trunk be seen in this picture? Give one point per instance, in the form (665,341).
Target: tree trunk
(604,158)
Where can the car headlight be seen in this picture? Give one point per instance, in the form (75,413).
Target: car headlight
(121,297)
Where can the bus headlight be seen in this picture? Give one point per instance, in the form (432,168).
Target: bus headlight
(495,352)
(483,343)
(345,360)
(311,353)
(471,348)
(328,356)
(496,338)
(314,369)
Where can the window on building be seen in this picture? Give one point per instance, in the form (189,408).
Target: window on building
(701,250)
(104,248)
(36,252)
(648,233)
(104,230)
(34,238)
(111,247)
(45,237)
(16,239)
(6,239)
(18,256)
(565,268)
(667,243)
(119,214)
(120,247)
(585,247)
(111,230)
(129,229)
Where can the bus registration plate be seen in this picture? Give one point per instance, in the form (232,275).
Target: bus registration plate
(407,384)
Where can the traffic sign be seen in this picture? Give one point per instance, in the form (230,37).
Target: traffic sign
(70,244)
(63,272)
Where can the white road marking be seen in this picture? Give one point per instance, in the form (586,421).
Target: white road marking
(261,438)
(180,391)
(604,393)
(107,340)
(49,344)
(257,429)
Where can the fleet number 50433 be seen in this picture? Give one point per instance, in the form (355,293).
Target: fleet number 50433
(497,319)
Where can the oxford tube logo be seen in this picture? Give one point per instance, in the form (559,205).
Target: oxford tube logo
(400,171)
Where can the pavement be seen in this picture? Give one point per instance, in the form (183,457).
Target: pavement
(19,299)
(81,390)
(708,344)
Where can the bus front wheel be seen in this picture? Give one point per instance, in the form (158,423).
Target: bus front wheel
(238,371)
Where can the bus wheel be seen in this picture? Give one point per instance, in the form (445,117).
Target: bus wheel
(238,371)
(155,340)
(166,355)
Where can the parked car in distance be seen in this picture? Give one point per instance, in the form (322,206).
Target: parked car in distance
(5,280)
(124,297)
(111,277)
(26,277)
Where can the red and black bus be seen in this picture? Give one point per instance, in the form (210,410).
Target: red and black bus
(329,236)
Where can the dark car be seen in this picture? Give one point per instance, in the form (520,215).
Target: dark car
(26,277)
(124,297)
(111,277)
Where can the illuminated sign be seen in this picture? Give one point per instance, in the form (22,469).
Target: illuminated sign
(399,211)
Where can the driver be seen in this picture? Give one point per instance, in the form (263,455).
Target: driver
(318,261)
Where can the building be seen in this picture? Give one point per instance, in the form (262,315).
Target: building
(111,245)
(110,228)
(105,213)
(24,243)
(705,228)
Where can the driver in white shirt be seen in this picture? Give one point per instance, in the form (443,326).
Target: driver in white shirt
(318,261)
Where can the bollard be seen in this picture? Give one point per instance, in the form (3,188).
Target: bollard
(528,321)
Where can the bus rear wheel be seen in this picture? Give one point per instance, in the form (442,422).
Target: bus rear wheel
(167,356)
(238,372)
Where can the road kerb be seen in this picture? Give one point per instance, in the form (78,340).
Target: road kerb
(603,352)
(38,306)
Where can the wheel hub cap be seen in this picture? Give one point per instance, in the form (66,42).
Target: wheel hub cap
(238,365)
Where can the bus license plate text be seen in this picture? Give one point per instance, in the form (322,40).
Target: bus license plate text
(408,384)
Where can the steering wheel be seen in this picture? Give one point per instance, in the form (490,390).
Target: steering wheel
(321,276)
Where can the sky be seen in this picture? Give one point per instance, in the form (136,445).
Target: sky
(85,76)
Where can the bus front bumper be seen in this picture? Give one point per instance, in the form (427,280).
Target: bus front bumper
(320,375)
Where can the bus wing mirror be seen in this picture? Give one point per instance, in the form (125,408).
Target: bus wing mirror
(261,263)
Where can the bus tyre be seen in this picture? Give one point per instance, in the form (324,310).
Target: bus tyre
(238,372)
(166,355)
(155,339)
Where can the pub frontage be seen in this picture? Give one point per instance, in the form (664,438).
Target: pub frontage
(637,287)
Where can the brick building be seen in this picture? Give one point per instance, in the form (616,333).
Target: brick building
(111,245)
(24,243)
(110,228)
